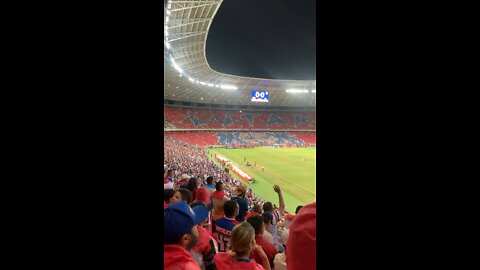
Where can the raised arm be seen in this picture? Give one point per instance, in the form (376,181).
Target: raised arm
(277,189)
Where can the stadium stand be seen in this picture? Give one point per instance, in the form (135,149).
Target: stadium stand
(186,118)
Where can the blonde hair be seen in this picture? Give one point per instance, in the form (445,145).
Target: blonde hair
(241,239)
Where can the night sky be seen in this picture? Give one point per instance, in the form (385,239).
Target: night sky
(273,39)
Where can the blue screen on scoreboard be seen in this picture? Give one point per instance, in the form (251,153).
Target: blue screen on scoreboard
(259,96)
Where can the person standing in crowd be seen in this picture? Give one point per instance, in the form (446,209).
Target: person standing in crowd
(242,202)
(181,234)
(182,183)
(210,185)
(277,215)
(170,196)
(270,250)
(203,195)
(185,195)
(167,185)
(267,222)
(169,176)
(218,200)
(280,261)
(224,225)
(192,186)
(207,246)
(256,210)
(243,245)
(302,238)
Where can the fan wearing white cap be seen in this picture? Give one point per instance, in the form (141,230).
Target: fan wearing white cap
(183,181)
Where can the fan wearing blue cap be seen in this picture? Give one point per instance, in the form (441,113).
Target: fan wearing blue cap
(181,234)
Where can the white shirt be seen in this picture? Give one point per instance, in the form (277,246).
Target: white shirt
(280,261)
(168,185)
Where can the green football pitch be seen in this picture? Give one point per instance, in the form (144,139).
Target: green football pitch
(283,166)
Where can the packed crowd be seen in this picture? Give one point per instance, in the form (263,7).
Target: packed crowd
(183,158)
(212,221)
(258,138)
(167,124)
(245,138)
(210,118)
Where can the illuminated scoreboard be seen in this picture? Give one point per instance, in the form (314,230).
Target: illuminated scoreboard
(259,96)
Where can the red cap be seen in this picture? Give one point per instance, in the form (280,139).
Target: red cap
(203,195)
(301,244)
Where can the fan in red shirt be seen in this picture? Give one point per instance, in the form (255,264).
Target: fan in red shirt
(224,225)
(243,246)
(218,200)
(181,234)
(192,185)
(257,223)
(207,245)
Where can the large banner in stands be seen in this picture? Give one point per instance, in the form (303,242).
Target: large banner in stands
(245,177)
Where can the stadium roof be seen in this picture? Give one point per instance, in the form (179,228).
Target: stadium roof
(188,77)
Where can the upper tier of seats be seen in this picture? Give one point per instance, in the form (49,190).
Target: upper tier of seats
(226,119)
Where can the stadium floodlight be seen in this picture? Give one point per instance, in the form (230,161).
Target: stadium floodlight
(166,20)
(209,84)
(166,33)
(167,45)
(230,87)
(190,79)
(216,85)
(177,67)
(314,91)
(168,12)
(297,91)
(203,83)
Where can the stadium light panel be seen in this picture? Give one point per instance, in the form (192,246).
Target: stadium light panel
(168,12)
(230,87)
(166,20)
(190,79)
(203,83)
(297,91)
(167,45)
(314,91)
(209,84)
(216,85)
